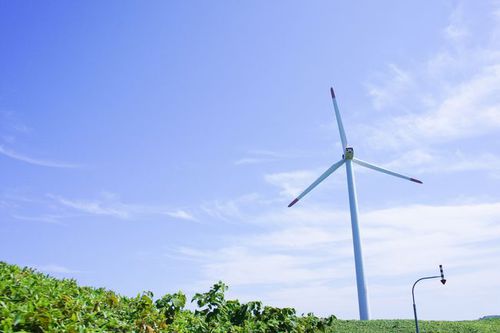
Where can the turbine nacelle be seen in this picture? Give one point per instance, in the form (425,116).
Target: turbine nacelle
(348,153)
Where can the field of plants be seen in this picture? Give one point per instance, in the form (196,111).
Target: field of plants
(34,302)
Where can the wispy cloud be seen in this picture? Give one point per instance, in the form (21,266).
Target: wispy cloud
(110,204)
(181,214)
(395,83)
(456,31)
(232,209)
(452,95)
(11,123)
(471,109)
(433,161)
(36,161)
(429,234)
(52,268)
(291,183)
(243,266)
(58,209)
(47,218)
(253,160)
(260,156)
(10,128)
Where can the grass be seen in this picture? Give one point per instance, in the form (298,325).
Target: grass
(408,326)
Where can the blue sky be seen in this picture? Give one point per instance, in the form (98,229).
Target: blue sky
(155,146)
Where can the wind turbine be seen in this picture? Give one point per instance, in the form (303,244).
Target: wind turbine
(347,159)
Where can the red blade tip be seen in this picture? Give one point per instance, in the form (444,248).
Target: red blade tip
(332,92)
(293,202)
(416,180)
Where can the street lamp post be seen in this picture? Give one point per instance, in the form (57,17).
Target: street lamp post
(443,281)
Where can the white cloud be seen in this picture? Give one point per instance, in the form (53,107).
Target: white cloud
(472,108)
(10,122)
(310,253)
(109,204)
(47,218)
(231,210)
(252,160)
(8,138)
(337,300)
(52,268)
(385,231)
(108,207)
(456,31)
(262,156)
(298,238)
(430,234)
(181,214)
(36,161)
(454,94)
(433,161)
(397,82)
(245,265)
(293,183)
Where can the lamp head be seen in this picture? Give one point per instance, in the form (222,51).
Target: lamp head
(443,280)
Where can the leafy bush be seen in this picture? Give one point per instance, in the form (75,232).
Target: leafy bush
(34,302)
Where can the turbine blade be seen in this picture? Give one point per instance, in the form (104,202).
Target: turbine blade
(389,172)
(339,120)
(317,181)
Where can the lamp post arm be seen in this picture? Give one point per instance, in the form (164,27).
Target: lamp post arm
(424,278)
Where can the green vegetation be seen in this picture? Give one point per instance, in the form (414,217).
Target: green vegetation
(34,302)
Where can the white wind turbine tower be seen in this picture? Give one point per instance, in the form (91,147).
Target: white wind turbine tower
(347,159)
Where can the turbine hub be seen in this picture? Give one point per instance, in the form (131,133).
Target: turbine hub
(348,154)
